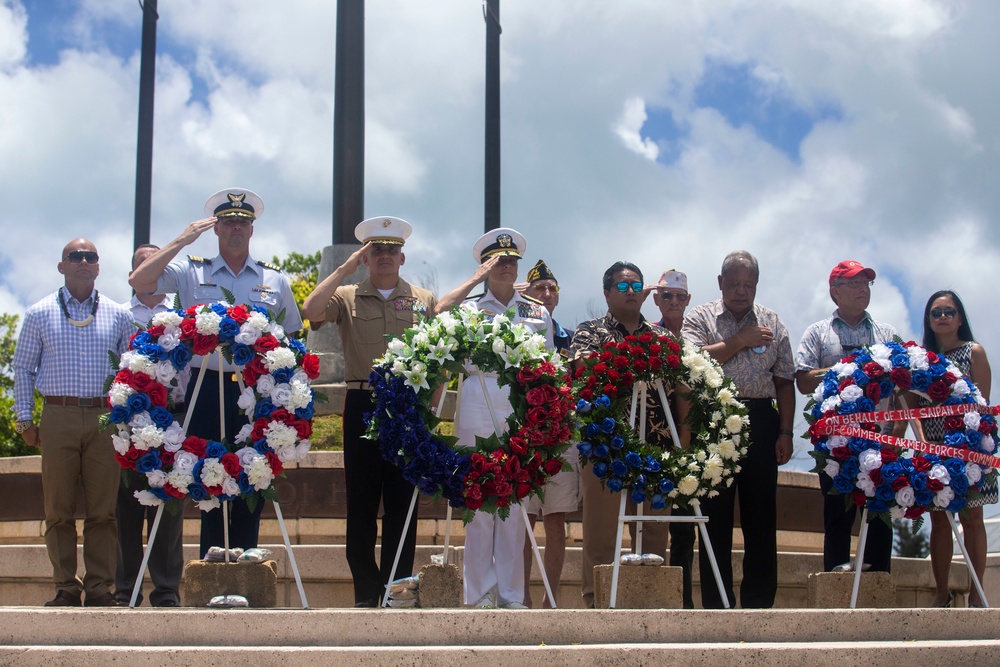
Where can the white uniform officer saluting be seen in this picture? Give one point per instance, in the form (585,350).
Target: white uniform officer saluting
(196,280)
(494,564)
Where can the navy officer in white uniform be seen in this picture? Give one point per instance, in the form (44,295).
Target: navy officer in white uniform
(231,214)
(494,561)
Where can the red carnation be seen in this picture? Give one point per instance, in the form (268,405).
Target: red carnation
(587,394)
(610,390)
(900,377)
(673,347)
(605,356)
(639,365)
(874,369)
(636,351)
(620,361)
(310,365)
(614,375)
(239,313)
(646,338)
(655,363)
(673,361)
(536,396)
(600,369)
(938,391)
(231,463)
(526,375)
(195,445)
(266,343)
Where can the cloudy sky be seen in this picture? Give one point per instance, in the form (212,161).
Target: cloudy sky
(665,133)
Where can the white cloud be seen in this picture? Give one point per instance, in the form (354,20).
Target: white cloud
(629,127)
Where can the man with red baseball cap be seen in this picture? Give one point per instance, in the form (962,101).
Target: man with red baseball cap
(824,344)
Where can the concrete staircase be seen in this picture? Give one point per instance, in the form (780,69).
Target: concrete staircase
(45,637)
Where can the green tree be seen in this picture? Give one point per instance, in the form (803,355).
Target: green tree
(11,443)
(303,270)
(910,540)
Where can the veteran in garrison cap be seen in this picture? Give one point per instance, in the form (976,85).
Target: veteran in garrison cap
(231,214)
(382,304)
(494,574)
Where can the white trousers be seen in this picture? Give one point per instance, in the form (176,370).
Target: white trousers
(494,556)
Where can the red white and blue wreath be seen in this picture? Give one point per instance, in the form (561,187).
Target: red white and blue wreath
(889,482)
(498,471)
(624,462)
(277,399)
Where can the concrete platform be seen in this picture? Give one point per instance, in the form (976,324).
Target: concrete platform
(468,637)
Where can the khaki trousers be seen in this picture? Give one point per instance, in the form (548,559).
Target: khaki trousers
(600,525)
(75,452)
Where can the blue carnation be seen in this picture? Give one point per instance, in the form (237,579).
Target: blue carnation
(148,462)
(608,425)
(843,484)
(197,491)
(138,402)
(658,502)
(228,328)
(242,354)
(120,414)
(264,408)
(885,493)
(161,417)
(180,357)
(215,450)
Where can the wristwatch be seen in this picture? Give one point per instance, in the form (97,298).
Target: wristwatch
(23,425)
(785,431)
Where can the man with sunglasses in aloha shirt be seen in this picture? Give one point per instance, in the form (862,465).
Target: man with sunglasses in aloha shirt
(63,352)
(824,344)
(625,293)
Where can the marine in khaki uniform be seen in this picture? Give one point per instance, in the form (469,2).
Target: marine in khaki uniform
(383,303)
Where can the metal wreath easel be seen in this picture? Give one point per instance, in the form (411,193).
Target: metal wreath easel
(447,531)
(225,504)
(638,410)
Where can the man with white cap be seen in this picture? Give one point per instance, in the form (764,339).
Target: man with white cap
(231,214)
(671,296)
(824,344)
(562,492)
(494,563)
(382,304)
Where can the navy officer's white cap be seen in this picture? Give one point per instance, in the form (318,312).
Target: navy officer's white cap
(383,229)
(235,202)
(502,241)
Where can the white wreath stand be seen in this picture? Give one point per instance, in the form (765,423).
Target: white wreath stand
(639,405)
(225,504)
(863,539)
(447,531)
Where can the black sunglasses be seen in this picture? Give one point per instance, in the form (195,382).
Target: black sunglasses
(77,256)
(949,312)
(623,287)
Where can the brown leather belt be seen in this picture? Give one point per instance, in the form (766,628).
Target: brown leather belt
(78,401)
(358,384)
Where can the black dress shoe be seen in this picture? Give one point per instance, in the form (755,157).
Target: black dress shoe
(366,604)
(166,603)
(64,599)
(105,600)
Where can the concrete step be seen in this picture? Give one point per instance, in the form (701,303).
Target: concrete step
(765,654)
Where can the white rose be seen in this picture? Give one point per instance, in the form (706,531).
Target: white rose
(247,400)
(244,433)
(156,478)
(868,460)
(973,473)
(209,505)
(302,449)
(247,336)
(230,486)
(897,512)
(173,437)
(246,456)
(169,341)
(165,372)
(167,318)
(281,394)
(971,420)
(147,498)
(960,388)
(140,420)
(944,497)
(265,383)
(120,442)
(832,468)
(184,461)
(939,472)
(905,497)
(851,393)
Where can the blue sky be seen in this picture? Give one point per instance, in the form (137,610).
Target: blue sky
(664,133)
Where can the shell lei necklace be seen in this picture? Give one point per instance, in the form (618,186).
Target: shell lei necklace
(83,322)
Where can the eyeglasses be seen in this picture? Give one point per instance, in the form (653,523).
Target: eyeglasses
(545,288)
(623,287)
(77,256)
(854,283)
(938,313)
(669,296)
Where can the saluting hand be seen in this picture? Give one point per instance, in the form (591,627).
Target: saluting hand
(483,270)
(196,229)
(354,261)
